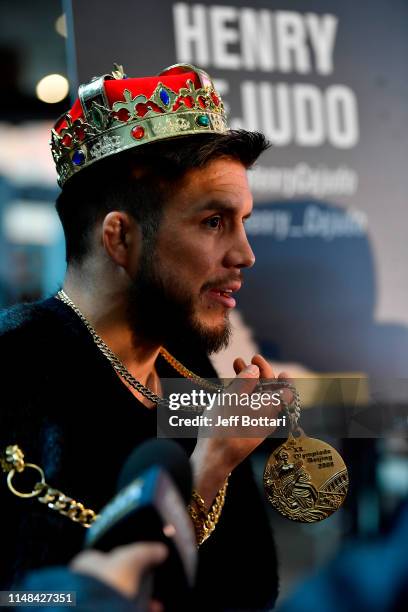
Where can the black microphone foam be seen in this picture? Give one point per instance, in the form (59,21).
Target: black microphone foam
(165,454)
(154,489)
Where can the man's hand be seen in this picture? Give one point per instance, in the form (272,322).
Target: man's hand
(215,457)
(123,568)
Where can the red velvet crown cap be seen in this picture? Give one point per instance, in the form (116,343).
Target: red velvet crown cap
(115,88)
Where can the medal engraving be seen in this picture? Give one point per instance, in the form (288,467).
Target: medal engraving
(305,479)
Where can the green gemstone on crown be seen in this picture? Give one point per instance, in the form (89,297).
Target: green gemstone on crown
(203,121)
(97,118)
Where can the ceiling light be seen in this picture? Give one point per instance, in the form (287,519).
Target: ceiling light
(52,88)
(61,25)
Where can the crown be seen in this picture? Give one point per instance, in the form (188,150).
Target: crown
(114,113)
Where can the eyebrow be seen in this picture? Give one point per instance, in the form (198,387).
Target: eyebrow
(219,205)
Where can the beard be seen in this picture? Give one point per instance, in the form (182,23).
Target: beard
(161,312)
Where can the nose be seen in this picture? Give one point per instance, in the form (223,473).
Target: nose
(240,254)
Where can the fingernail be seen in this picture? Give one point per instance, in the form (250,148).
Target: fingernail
(253,369)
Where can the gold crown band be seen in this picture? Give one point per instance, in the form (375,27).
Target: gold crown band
(127,136)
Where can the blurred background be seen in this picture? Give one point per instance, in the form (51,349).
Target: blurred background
(34,92)
(327,83)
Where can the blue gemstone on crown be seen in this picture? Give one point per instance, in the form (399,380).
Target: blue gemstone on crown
(164,97)
(78,158)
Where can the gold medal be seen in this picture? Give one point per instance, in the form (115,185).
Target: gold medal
(305,479)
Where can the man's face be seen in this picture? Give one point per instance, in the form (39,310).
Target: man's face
(284,457)
(187,281)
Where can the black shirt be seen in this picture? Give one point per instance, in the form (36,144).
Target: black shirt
(64,405)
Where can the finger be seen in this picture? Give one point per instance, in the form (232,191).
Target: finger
(284,376)
(145,555)
(265,368)
(86,560)
(246,380)
(239,365)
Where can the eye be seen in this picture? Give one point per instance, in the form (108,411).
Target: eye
(213,222)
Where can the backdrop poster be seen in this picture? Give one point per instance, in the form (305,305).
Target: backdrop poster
(327,83)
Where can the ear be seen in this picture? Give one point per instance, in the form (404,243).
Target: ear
(120,236)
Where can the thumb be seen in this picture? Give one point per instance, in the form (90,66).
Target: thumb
(246,380)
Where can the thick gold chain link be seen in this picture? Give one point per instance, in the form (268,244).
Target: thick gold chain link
(13,462)
(205,522)
(65,505)
(186,373)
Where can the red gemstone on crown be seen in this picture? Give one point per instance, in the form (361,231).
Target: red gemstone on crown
(123,115)
(138,132)
(67,139)
(215,99)
(80,133)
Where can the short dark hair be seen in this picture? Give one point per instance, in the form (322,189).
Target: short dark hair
(139,180)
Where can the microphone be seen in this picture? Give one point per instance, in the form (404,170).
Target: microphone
(154,488)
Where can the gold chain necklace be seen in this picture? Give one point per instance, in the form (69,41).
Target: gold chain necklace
(186,373)
(324,482)
(121,369)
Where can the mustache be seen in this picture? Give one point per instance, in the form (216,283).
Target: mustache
(220,282)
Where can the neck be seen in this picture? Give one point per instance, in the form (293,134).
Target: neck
(106,310)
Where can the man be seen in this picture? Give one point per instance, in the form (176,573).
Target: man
(153,205)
